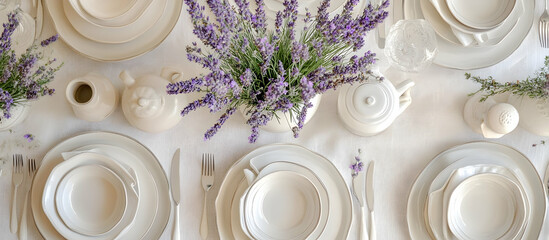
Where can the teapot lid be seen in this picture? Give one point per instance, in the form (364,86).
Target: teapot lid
(370,102)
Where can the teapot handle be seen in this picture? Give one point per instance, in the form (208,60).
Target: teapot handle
(169,73)
(403,90)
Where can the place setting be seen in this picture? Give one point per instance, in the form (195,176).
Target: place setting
(249,132)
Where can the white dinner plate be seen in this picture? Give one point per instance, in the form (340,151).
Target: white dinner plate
(485,14)
(106,9)
(460,57)
(486,206)
(91,199)
(114,52)
(340,217)
(437,203)
(466,155)
(282,205)
(128,17)
(153,208)
(122,34)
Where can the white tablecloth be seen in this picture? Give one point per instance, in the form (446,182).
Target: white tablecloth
(430,125)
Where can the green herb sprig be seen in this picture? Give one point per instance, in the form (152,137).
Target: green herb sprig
(533,87)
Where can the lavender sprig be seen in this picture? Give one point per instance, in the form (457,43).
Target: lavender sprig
(23,77)
(357,166)
(266,72)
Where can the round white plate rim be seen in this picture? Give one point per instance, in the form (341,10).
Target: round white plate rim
(453,56)
(482,177)
(231,180)
(256,189)
(115,139)
(66,181)
(527,174)
(114,35)
(114,52)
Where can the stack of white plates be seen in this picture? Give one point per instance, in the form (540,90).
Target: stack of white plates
(477,191)
(284,196)
(114,30)
(88,187)
(474,34)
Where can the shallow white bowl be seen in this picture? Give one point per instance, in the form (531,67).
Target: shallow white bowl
(91,200)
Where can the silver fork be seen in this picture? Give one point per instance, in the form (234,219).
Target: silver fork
(208,168)
(28,183)
(544,27)
(17,179)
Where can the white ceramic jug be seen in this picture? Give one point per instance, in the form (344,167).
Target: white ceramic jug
(369,108)
(92,97)
(147,105)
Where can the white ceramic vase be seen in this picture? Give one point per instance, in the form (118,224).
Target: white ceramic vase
(18,114)
(285,123)
(534,113)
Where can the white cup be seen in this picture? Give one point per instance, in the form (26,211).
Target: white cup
(92,97)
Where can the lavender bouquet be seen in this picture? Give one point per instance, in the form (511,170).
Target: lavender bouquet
(23,77)
(274,71)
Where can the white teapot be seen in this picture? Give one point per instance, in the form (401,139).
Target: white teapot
(369,108)
(146,104)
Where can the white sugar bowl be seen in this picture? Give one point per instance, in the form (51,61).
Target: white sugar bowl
(147,105)
(369,108)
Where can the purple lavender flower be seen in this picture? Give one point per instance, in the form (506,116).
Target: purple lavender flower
(49,40)
(29,137)
(273,71)
(358,166)
(5,102)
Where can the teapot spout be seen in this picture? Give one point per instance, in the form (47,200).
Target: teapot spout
(126,78)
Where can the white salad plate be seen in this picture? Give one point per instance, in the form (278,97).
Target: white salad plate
(486,206)
(106,9)
(457,56)
(50,202)
(153,210)
(114,52)
(437,205)
(489,38)
(485,14)
(91,199)
(126,18)
(122,34)
(438,171)
(340,217)
(282,205)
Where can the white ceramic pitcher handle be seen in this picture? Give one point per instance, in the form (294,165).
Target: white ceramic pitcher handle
(169,73)
(403,89)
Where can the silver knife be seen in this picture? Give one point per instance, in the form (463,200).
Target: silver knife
(360,192)
(370,199)
(174,181)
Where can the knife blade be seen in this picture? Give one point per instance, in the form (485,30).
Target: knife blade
(360,193)
(370,199)
(175,189)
